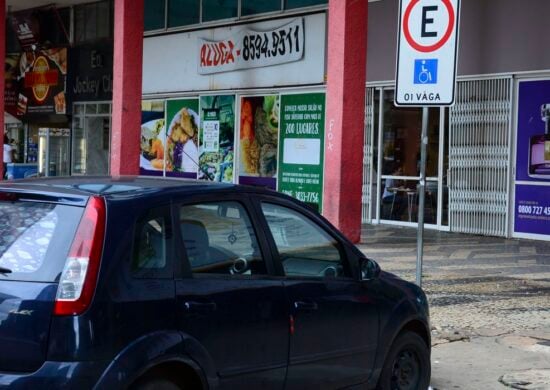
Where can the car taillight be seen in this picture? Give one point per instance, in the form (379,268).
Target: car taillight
(79,277)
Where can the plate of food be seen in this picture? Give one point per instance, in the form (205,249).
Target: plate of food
(153,139)
(182,141)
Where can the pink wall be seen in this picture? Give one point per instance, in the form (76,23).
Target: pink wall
(345,115)
(127,75)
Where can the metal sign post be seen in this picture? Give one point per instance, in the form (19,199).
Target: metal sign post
(426,74)
(421,196)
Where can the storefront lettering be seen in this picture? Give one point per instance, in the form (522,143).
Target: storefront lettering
(93,86)
(96,59)
(218,53)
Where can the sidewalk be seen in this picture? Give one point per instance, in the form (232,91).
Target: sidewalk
(489,301)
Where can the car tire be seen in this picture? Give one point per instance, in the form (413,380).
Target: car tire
(407,365)
(156,384)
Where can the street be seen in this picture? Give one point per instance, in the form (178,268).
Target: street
(489,302)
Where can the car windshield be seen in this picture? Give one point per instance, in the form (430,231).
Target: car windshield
(35,239)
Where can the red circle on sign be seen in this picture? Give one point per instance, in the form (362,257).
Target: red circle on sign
(438,44)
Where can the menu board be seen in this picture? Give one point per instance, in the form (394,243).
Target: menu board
(216,141)
(259,140)
(182,134)
(302,147)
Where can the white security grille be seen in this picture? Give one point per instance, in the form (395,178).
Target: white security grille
(479,150)
(368,176)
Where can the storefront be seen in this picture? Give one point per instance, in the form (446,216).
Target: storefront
(244,103)
(92,89)
(488,157)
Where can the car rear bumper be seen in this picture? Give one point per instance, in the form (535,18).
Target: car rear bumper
(55,375)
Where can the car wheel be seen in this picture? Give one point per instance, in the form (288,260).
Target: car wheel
(156,384)
(407,366)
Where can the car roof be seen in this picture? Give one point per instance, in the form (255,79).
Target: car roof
(108,186)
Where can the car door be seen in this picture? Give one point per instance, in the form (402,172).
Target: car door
(228,302)
(334,315)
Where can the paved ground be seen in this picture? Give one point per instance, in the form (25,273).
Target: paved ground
(489,300)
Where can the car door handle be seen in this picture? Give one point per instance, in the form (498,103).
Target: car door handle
(306,305)
(199,307)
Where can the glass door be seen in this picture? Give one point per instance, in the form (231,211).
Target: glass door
(53,152)
(91,138)
(399,163)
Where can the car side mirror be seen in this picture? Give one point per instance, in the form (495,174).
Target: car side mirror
(369,269)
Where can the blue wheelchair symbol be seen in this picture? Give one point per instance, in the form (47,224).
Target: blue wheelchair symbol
(425,71)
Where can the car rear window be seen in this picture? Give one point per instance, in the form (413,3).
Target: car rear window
(35,239)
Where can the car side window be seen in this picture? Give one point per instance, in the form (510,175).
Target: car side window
(151,246)
(305,249)
(219,239)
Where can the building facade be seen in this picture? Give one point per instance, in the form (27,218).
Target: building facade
(240,91)
(488,168)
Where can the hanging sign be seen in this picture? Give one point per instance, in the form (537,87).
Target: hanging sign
(248,48)
(427,52)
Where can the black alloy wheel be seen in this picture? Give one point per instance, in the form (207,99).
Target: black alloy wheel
(407,365)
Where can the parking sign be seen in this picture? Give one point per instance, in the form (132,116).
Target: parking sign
(427,51)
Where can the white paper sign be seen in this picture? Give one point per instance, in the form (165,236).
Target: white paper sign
(305,151)
(249,48)
(211,136)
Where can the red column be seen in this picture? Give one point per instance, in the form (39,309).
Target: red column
(127,75)
(346,77)
(2,79)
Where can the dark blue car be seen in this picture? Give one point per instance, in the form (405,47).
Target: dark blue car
(166,284)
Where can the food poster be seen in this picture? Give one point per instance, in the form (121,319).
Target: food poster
(217,138)
(12,82)
(44,74)
(259,138)
(302,147)
(532,198)
(153,138)
(182,138)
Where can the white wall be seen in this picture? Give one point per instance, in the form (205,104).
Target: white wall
(170,62)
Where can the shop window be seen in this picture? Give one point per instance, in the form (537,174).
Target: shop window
(218,9)
(252,7)
(183,12)
(290,4)
(58,22)
(12,43)
(154,15)
(93,22)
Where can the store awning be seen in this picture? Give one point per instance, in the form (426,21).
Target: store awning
(10,119)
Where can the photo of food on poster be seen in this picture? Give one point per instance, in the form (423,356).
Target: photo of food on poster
(259,139)
(44,74)
(153,138)
(217,138)
(302,147)
(532,203)
(182,138)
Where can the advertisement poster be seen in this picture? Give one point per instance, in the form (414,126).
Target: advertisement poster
(11,76)
(44,76)
(302,147)
(153,138)
(259,138)
(216,148)
(182,138)
(532,200)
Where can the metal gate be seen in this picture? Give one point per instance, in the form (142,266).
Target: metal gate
(368,158)
(479,154)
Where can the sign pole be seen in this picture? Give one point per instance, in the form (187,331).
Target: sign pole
(421,196)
